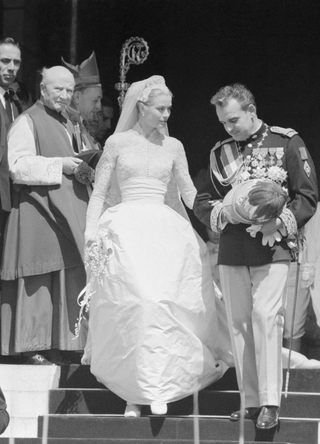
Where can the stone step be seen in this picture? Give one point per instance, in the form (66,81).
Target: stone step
(180,428)
(217,403)
(27,389)
(122,441)
(300,380)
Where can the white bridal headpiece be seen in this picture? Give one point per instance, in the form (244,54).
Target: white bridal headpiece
(155,82)
(138,91)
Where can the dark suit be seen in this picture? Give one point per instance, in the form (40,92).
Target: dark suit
(5,194)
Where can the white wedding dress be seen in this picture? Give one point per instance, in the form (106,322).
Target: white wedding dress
(153,330)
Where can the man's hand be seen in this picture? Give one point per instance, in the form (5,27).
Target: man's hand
(69,164)
(272,231)
(270,239)
(271,226)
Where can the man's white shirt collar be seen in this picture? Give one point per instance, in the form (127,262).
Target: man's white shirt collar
(2,93)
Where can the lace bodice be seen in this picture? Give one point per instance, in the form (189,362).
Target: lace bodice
(131,154)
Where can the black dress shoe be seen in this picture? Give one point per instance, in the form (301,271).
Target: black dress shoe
(38,360)
(249,413)
(268,418)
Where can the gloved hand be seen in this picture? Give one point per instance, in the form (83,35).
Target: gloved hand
(308,272)
(270,239)
(253,230)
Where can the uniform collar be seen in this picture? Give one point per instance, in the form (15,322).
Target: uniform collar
(256,136)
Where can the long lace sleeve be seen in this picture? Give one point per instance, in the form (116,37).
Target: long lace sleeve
(182,177)
(104,171)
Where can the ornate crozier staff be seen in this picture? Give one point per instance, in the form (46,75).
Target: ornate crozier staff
(134,51)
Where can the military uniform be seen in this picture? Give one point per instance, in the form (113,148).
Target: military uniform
(253,275)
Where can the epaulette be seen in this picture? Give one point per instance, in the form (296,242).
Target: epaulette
(218,144)
(289,132)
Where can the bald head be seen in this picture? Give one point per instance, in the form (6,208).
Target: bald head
(57,87)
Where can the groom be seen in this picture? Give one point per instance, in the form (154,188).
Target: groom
(254,270)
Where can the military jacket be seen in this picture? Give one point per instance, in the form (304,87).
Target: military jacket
(287,150)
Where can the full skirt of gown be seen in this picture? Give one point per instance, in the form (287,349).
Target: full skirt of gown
(152,319)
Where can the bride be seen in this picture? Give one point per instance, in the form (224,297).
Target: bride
(153,325)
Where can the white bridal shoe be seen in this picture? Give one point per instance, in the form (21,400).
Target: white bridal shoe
(132,411)
(159,408)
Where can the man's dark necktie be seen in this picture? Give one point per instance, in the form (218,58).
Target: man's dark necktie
(8,99)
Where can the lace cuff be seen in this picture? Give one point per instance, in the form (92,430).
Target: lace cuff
(289,221)
(214,217)
(54,171)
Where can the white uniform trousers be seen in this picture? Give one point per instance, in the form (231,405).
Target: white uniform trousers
(254,297)
(300,306)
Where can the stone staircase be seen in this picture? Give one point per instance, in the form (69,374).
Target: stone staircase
(69,404)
